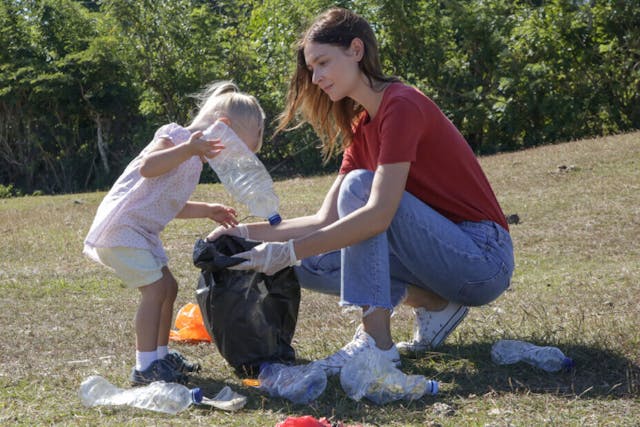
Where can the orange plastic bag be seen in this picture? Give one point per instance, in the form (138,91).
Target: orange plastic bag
(190,326)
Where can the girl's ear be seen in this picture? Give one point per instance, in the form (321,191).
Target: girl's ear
(225,120)
(357,48)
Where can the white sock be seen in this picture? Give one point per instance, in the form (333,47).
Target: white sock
(162,350)
(144,359)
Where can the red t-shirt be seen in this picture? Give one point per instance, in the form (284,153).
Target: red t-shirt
(444,171)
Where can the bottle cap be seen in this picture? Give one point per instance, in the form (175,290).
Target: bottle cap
(434,386)
(568,363)
(196,395)
(275,219)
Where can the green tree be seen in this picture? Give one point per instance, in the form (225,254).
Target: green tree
(83,84)
(19,59)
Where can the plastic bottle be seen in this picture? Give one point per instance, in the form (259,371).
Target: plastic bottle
(376,378)
(169,398)
(550,359)
(242,173)
(299,384)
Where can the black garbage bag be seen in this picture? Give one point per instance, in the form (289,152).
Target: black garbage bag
(251,316)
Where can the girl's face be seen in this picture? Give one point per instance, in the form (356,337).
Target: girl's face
(251,135)
(334,69)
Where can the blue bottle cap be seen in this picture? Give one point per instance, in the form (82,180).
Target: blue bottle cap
(196,395)
(434,386)
(568,363)
(275,219)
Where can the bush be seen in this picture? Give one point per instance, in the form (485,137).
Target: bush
(7,191)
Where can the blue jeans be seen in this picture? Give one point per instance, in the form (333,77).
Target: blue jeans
(469,263)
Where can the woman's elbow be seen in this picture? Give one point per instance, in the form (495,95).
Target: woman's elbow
(379,223)
(378,227)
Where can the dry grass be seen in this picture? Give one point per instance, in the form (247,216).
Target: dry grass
(577,286)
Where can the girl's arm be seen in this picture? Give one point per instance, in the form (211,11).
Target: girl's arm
(216,212)
(373,218)
(166,156)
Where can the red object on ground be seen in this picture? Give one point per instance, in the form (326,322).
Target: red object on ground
(309,421)
(304,421)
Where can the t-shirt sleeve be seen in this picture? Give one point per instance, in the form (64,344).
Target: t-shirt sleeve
(402,126)
(172,131)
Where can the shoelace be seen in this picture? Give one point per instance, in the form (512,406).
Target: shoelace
(356,345)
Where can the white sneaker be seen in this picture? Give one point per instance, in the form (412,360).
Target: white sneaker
(433,327)
(361,342)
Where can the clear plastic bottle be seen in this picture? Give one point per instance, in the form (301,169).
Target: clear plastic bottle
(372,376)
(169,398)
(550,359)
(243,174)
(299,383)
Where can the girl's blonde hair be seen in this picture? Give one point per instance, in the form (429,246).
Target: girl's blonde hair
(224,99)
(332,121)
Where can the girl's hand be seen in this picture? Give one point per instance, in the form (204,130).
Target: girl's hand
(240,230)
(222,214)
(206,149)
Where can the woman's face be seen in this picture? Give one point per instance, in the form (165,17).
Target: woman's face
(333,69)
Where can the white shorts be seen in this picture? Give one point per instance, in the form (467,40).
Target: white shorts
(135,267)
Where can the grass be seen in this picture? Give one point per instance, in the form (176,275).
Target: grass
(576,286)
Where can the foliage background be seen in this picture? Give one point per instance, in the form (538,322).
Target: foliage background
(83,84)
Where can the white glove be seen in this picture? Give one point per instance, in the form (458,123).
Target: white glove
(267,257)
(239,230)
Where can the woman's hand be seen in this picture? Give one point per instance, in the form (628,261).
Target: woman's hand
(224,215)
(240,230)
(268,257)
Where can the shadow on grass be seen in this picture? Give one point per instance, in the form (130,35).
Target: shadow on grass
(598,373)
(464,372)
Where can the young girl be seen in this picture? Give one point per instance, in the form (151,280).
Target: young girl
(155,188)
(411,209)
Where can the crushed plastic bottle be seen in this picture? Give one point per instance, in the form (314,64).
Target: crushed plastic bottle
(243,174)
(376,378)
(169,398)
(227,400)
(550,359)
(297,383)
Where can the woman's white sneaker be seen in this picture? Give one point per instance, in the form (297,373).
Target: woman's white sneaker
(361,342)
(433,327)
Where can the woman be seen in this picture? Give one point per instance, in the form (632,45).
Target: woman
(410,205)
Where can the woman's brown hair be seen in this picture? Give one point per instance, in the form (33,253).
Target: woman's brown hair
(332,121)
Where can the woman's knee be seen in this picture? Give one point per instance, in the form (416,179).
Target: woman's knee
(354,191)
(320,273)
